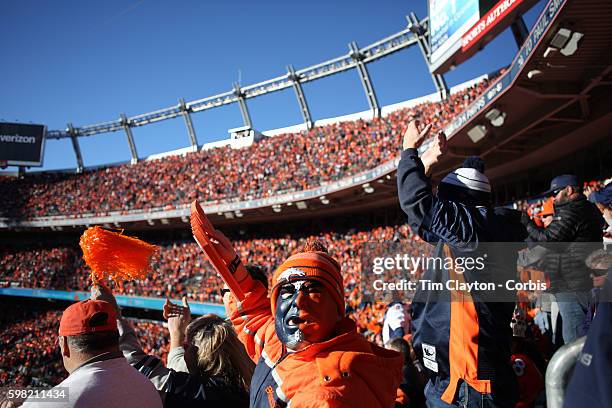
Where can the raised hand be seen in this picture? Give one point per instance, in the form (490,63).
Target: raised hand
(172,310)
(415,134)
(99,291)
(178,318)
(436,150)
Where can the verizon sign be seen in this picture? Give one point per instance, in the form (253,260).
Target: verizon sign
(494,17)
(21,144)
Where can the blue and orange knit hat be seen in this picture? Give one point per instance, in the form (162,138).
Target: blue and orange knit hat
(312,263)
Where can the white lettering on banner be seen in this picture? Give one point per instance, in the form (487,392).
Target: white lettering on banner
(499,11)
(494,90)
(17,139)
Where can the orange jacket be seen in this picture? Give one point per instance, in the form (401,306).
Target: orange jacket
(345,371)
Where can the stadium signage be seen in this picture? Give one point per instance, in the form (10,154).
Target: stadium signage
(139,302)
(495,16)
(505,81)
(459,29)
(22,144)
(449,20)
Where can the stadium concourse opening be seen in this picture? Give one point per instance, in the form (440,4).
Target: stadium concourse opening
(296,212)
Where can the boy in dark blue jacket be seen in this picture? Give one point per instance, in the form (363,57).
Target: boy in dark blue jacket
(464,336)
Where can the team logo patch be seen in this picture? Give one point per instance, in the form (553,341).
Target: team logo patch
(429,357)
(291,273)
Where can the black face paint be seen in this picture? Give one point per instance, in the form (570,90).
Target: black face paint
(287,316)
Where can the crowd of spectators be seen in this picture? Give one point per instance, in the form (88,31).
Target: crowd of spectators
(287,162)
(28,341)
(29,352)
(181,269)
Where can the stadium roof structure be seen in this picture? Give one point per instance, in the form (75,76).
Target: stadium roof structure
(551,101)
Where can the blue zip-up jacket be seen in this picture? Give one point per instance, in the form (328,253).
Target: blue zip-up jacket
(462,336)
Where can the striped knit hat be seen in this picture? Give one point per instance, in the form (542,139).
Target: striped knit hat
(313,263)
(469,176)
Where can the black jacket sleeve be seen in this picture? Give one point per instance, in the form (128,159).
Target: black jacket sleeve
(431,218)
(560,230)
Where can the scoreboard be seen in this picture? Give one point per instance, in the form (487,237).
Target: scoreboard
(459,28)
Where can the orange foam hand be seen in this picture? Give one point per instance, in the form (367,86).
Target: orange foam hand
(221,258)
(113,255)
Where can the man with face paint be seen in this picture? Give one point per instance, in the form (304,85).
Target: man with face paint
(308,353)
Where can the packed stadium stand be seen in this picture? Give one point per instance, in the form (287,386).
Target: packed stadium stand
(280,164)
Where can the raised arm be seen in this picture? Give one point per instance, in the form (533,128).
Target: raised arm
(252,317)
(431,218)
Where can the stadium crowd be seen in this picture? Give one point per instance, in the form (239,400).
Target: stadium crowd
(284,163)
(180,270)
(30,354)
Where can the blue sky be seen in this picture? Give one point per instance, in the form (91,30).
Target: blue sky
(86,62)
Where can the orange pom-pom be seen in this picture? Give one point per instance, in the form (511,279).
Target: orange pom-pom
(113,255)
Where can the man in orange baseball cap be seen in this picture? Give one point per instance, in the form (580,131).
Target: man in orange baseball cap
(99,374)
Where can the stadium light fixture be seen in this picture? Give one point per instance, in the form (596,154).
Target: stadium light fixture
(560,38)
(324,200)
(186,220)
(301,205)
(572,45)
(276,208)
(238,213)
(165,221)
(477,133)
(549,51)
(496,117)
(534,73)
(368,188)
(229,215)
(565,42)
(289,204)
